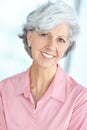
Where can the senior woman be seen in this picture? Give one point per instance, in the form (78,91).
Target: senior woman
(44,97)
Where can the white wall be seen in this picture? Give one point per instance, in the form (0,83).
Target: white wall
(78,68)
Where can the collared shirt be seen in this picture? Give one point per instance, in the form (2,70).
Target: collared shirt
(63,106)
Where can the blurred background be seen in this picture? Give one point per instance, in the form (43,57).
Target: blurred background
(14,59)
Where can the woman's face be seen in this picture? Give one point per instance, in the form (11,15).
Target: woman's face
(49,47)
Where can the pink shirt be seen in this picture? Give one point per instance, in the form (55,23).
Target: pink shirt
(63,107)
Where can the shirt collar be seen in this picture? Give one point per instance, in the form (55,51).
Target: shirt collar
(23,83)
(59,85)
(57,89)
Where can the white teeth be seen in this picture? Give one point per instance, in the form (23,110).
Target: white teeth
(48,56)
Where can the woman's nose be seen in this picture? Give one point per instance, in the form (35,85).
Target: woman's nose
(51,45)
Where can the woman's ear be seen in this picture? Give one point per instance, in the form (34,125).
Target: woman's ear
(29,37)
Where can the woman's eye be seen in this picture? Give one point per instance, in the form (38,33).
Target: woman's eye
(61,40)
(44,34)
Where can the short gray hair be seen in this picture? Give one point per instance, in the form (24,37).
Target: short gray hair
(49,15)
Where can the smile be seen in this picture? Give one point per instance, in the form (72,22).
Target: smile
(48,55)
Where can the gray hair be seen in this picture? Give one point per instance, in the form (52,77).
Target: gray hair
(49,15)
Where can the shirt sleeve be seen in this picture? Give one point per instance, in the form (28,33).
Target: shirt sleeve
(79,116)
(2,117)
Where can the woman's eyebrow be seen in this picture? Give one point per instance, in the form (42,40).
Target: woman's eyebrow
(63,36)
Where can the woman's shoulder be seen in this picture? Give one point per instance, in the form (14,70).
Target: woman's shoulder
(12,81)
(70,82)
(76,90)
(12,78)
(73,86)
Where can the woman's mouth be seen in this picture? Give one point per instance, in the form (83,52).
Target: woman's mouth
(48,55)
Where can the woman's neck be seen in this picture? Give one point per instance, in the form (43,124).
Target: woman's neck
(40,80)
(42,75)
